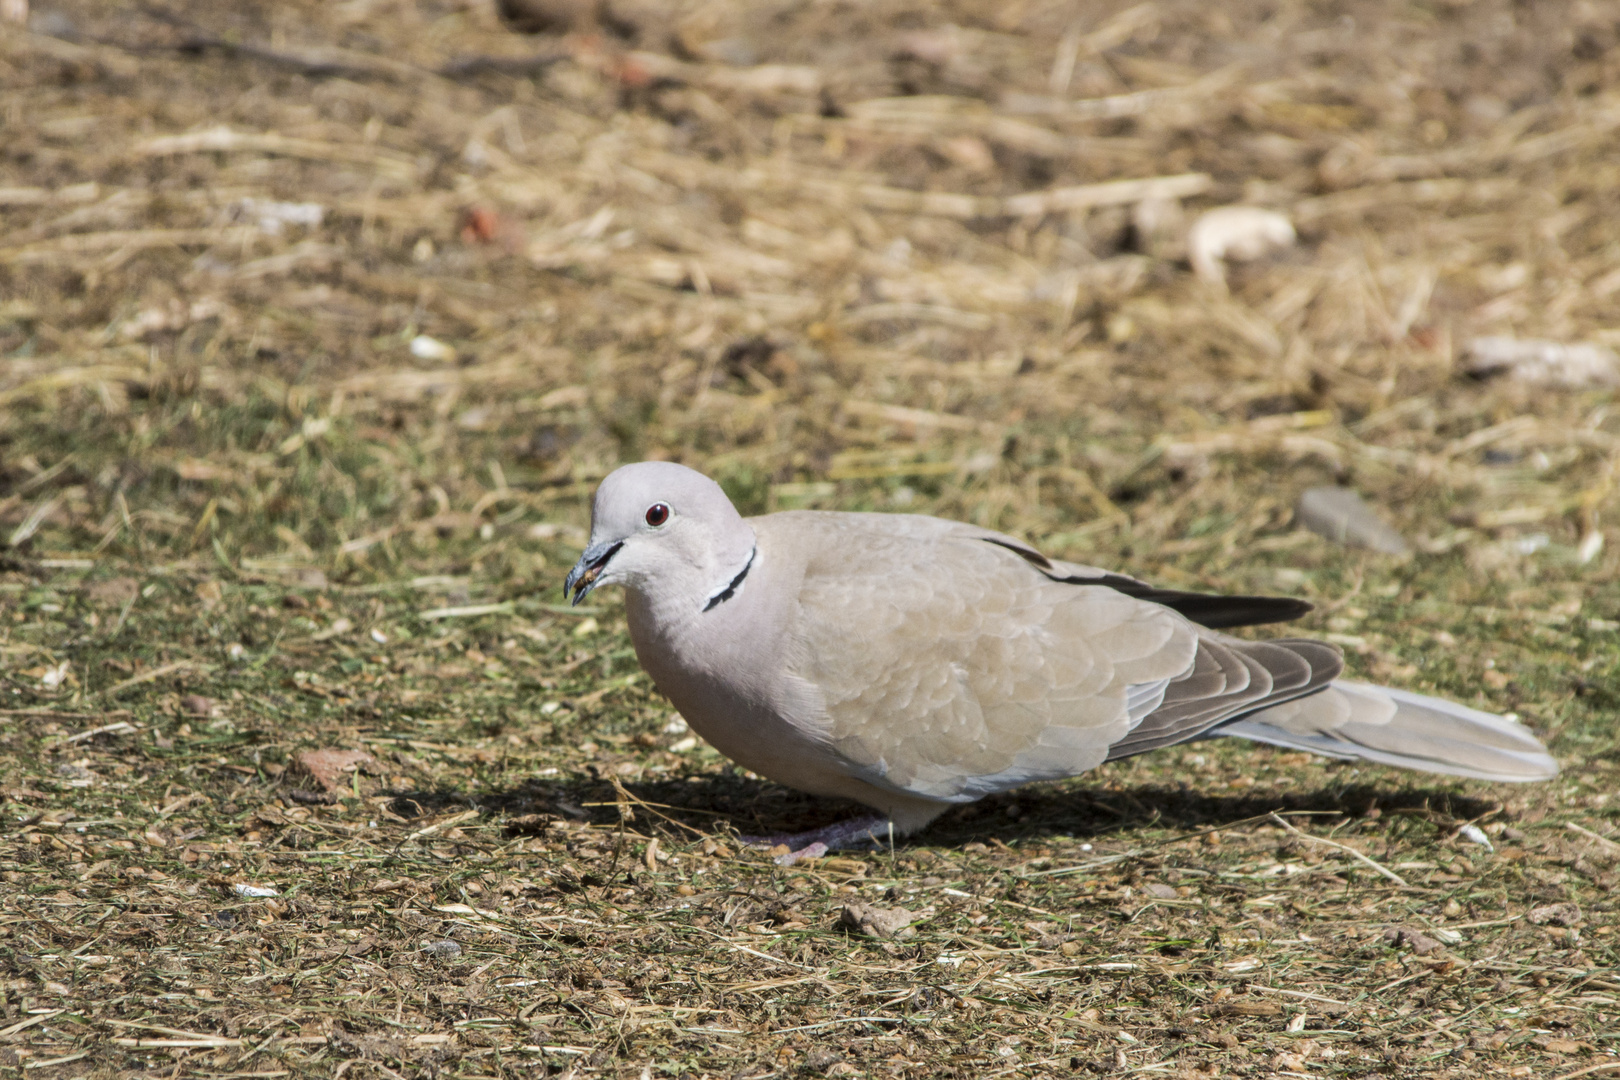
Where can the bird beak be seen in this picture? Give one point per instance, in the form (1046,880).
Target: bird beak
(582,578)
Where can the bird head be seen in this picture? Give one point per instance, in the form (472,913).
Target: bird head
(658,526)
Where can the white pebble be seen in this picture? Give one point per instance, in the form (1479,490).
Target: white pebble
(427,348)
(1235,234)
(1544,363)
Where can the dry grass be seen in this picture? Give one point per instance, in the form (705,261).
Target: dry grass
(884,255)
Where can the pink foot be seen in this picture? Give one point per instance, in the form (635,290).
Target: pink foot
(809,851)
(817,842)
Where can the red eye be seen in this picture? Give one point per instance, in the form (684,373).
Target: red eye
(657,514)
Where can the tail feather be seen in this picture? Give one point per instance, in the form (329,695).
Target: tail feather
(1395,727)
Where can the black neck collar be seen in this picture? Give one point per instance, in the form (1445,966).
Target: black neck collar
(733,585)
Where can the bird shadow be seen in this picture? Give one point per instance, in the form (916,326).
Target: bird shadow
(708,805)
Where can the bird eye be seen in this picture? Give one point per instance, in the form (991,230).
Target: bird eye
(657,514)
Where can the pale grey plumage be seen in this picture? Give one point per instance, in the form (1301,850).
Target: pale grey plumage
(913,663)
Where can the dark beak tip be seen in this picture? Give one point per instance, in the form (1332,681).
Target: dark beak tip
(583,578)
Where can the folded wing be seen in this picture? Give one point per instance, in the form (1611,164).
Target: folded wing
(952,663)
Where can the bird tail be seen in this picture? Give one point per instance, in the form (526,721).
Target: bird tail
(1360,721)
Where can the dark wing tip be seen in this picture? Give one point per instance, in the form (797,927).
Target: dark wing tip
(1209,609)
(1221,612)
(1028,554)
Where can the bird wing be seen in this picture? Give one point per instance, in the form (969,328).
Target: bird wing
(948,667)
(1214,610)
(948,662)
(1229,679)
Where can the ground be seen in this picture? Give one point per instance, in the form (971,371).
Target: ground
(320,321)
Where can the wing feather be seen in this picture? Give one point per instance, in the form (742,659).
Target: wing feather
(1229,679)
(950,667)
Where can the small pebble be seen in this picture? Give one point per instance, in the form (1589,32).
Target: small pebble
(427,348)
(442,949)
(1565,914)
(874,921)
(1340,514)
(1235,234)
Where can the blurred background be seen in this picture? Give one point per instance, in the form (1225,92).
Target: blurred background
(345,293)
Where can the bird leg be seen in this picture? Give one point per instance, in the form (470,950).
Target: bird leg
(817,842)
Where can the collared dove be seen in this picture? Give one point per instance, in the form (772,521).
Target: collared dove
(912,663)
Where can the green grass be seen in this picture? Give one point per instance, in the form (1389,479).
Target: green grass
(521,772)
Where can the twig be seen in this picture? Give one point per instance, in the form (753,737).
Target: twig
(465,815)
(1589,834)
(223,140)
(28,1023)
(857,1020)
(1392,875)
(48,1062)
(177,1044)
(362,543)
(1604,1066)
(819,973)
(763,955)
(33,521)
(665,806)
(1297,994)
(178,1033)
(597,695)
(626,796)
(467,611)
(148,676)
(121,727)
